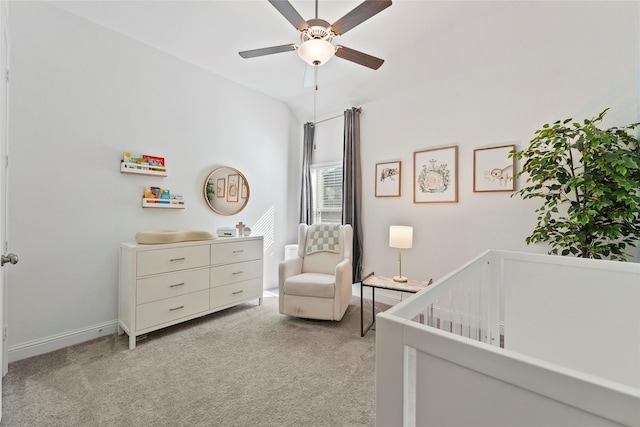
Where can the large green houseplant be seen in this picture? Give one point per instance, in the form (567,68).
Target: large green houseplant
(589,181)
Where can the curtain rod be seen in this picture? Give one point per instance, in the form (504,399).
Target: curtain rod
(359,109)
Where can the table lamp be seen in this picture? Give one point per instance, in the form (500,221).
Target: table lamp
(401,237)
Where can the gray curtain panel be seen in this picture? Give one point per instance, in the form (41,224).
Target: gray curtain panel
(306,196)
(352,187)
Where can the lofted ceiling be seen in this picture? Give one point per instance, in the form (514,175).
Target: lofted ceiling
(210,34)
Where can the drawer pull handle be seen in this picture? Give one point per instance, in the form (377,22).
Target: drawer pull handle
(176,285)
(176,308)
(237,272)
(239,251)
(177,259)
(237,292)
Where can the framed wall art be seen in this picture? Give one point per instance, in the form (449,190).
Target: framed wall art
(493,170)
(388,178)
(232,188)
(435,175)
(221,186)
(245,190)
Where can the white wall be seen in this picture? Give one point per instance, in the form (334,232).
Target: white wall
(80,96)
(493,77)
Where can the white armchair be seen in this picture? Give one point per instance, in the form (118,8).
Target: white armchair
(317,283)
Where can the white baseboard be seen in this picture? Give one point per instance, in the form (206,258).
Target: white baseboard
(56,342)
(66,339)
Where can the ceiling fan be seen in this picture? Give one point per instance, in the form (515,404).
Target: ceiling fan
(316,35)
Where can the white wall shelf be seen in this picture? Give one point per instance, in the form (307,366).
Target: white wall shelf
(162,203)
(139,169)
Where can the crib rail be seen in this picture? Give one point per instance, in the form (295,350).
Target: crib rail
(467,302)
(440,352)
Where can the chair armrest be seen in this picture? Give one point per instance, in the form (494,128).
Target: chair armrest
(344,273)
(289,267)
(344,287)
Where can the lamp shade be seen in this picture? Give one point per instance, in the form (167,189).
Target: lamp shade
(316,51)
(400,236)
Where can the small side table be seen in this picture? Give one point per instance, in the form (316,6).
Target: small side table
(381,282)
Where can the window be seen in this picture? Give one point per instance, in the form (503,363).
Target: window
(326,181)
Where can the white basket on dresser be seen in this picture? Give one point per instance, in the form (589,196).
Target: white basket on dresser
(162,285)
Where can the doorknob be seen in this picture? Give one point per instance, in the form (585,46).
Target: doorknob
(12,258)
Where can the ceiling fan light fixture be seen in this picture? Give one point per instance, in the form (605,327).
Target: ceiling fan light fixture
(316,52)
(316,34)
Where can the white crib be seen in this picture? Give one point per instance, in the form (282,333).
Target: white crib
(514,339)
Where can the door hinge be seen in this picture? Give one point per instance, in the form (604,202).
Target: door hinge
(6,75)
(6,160)
(4,334)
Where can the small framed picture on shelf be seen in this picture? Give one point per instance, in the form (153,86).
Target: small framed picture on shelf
(388,178)
(220,187)
(493,170)
(435,175)
(232,188)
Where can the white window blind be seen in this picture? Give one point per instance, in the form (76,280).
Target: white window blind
(327,193)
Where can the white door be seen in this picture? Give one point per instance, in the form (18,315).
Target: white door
(4,140)
(3,181)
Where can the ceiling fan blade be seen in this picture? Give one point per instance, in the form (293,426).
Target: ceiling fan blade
(310,75)
(267,50)
(361,13)
(359,57)
(290,13)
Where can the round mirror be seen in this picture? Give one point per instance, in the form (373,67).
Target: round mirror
(226,191)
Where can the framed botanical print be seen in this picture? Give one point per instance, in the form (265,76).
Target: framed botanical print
(435,175)
(232,188)
(388,178)
(245,190)
(221,186)
(493,170)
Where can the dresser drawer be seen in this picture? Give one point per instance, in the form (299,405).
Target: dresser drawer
(235,251)
(165,284)
(172,259)
(229,294)
(238,272)
(166,310)
(171,284)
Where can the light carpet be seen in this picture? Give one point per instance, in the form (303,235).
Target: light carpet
(244,366)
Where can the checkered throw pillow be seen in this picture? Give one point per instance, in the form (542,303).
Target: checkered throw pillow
(323,238)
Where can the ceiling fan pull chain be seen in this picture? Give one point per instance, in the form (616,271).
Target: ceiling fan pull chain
(315,94)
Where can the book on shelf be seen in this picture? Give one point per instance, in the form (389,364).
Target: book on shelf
(162,196)
(157,194)
(144,161)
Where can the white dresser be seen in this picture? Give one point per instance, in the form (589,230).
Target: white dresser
(161,285)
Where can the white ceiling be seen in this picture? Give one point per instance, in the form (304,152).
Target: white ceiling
(210,34)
